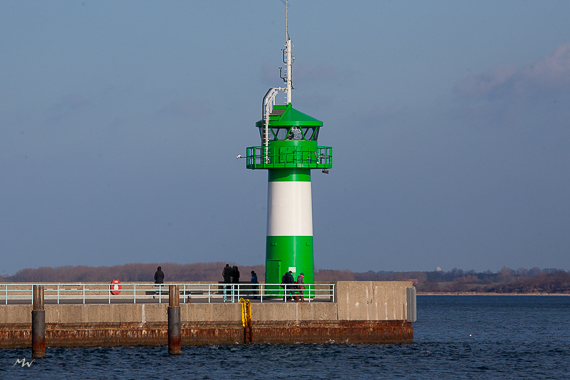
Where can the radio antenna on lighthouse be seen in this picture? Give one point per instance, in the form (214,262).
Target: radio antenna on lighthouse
(287,20)
(288,58)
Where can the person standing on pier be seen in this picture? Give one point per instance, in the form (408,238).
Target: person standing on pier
(254,287)
(158,279)
(227,275)
(235,275)
(288,280)
(235,280)
(301,286)
(159,276)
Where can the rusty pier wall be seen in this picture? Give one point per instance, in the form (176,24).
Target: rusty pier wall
(363,312)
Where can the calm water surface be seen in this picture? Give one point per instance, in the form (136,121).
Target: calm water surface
(456,337)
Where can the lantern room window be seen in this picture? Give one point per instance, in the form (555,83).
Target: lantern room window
(291,133)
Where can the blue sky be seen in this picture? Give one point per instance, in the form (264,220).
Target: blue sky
(449,122)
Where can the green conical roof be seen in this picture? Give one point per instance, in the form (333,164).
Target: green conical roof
(286,116)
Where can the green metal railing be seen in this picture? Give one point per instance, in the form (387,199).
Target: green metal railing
(278,157)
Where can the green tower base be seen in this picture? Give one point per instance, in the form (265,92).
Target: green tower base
(284,252)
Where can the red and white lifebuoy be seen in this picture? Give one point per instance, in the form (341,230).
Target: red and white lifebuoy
(116,287)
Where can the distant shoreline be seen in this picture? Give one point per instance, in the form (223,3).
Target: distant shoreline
(490,294)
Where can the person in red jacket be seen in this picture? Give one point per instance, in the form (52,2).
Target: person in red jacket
(301,287)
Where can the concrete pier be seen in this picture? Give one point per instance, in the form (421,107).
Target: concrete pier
(363,312)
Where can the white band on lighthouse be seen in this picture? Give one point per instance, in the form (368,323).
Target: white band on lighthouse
(289,209)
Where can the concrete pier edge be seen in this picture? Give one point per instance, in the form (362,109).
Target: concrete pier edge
(363,312)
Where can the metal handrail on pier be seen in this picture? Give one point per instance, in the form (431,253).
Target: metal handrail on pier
(97,293)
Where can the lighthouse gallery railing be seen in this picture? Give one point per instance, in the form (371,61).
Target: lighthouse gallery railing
(319,157)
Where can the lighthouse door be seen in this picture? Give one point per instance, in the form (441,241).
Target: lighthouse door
(273,275)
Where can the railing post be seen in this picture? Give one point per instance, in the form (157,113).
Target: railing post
(38,323)
(174,324)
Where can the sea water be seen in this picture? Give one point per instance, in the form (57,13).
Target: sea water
(466,337)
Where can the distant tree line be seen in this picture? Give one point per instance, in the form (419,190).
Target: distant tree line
(131,272)
(507,280)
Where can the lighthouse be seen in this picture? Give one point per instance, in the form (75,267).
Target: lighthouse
(289,150)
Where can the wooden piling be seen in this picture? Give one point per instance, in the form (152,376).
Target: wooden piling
(174,323)
(38,323)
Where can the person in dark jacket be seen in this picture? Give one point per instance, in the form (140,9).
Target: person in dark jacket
(158,279)
(254,287)
(159,276)
(227,275)
(288,282)
(235,276)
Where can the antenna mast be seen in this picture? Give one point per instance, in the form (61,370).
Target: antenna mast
(287,20)
(288,56)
